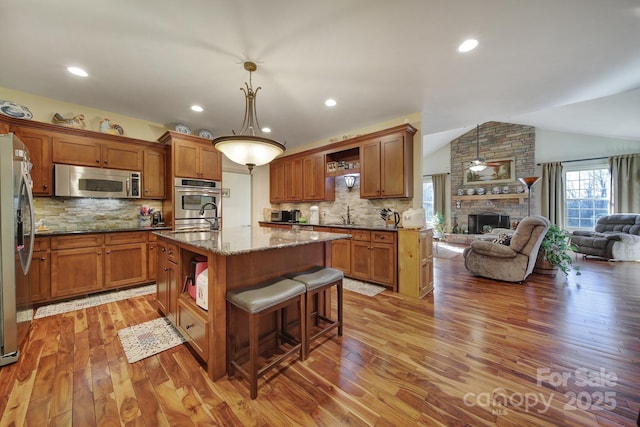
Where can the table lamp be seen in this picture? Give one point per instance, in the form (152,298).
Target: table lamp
(529,181)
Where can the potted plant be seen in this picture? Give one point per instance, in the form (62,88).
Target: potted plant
(554,252)
(439,226)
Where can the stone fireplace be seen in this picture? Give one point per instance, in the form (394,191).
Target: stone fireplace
(477,222)
(498,141)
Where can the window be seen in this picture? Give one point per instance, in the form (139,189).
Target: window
(427,199)
(586,195)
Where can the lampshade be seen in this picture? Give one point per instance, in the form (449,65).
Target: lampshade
(478,164)
(247,148)
(529,181)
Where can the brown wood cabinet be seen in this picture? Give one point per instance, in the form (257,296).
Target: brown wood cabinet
(415,262)
(40,270)
(154,179)
(276,182)
(341,253)
(83,151)
(192,323)
(76,264)
(168,279)
(313,177)
(152,257)
(125,258)
(373,256)
(195,157)
(39,145)
(387,166)
(293,179)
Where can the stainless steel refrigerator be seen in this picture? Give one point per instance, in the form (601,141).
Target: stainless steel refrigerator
(16,246)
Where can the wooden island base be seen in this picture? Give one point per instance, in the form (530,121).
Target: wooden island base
(205,331)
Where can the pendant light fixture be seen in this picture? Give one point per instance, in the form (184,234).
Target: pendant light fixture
(247,148)
(478,164)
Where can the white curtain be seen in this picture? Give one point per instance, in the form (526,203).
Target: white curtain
(625,183)
(553,189)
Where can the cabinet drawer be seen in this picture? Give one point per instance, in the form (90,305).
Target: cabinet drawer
(172,253)
(77,241)
(125,237)
(360,235)
(193,327)
(383,237)
(41,244)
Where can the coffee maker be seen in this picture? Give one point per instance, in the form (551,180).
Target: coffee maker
(156,219)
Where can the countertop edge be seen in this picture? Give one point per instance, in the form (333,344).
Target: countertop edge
(51,233)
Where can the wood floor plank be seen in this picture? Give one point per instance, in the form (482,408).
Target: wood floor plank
(464,354)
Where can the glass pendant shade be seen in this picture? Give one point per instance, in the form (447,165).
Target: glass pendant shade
(247,148)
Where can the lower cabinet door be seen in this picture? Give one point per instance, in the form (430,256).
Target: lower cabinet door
(40,276)
(125,264)
(341,255)
(162,283)
(76,271)
(360,260)
(383,264)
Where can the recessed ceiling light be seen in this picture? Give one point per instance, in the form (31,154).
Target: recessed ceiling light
(330,102)
(266,130)
(77,71)
(197,108)
(468,45)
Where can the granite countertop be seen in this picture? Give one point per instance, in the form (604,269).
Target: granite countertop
(363,226)
(239,240)
(44,233)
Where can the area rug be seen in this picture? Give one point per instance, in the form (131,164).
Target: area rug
(148,338)
(93,300)
(361,287)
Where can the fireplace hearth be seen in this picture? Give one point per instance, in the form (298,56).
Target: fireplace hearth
(477,221)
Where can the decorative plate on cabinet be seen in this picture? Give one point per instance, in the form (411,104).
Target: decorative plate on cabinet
(205,133)
(183,129)
(12,109)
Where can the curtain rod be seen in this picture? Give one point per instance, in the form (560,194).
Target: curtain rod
(578,160)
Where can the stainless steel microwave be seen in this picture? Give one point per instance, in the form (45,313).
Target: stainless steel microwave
(81,181)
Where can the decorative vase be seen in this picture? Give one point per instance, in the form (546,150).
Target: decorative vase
(145,220)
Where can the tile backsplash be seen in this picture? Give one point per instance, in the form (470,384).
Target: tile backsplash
(74,214)
(362,211)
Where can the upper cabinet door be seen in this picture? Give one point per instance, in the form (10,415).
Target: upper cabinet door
(370,169)
(393,179)
(276,182)
(39,145)
(73,150)
(197,160)
(293,179)
(313,179)
(153,174)
(210,162)
(121,156)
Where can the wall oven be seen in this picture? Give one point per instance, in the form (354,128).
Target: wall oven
(191,197)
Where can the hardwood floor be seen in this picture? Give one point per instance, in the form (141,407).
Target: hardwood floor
(475,352)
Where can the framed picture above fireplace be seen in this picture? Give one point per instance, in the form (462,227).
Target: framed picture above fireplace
(497,171)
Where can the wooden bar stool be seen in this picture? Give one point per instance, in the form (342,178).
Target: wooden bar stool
(317,280)
(257,301)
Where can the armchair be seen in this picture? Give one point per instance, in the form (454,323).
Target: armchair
(512,263)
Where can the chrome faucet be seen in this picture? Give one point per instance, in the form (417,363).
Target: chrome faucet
(213,225)
(348,220)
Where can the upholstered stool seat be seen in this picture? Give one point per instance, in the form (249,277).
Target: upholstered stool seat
(257,301)
(316,281)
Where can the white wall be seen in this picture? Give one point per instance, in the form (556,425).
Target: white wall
(552,146)
(236,209)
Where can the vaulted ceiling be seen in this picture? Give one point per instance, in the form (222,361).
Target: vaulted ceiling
(570,65)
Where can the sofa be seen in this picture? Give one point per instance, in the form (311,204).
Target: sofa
(512,262)
(616,237)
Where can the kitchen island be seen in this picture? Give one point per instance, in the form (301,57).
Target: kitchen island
(236,258)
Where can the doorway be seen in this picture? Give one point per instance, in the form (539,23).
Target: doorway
(236,199)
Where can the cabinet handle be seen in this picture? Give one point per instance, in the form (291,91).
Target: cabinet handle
(165,269)
(105,162)
(163,250)
(189,326)
(108,252)
(45,186)
(43,258)
(99,253)
(97,160)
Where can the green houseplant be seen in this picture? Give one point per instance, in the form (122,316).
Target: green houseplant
(555,249)
(439,225)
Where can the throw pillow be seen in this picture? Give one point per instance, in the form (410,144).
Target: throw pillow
(503,239)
